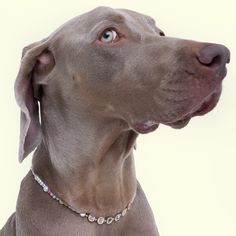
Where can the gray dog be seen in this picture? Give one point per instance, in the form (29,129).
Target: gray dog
(99,81)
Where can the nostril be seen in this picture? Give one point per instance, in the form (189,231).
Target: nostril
(216,62)
(228,59)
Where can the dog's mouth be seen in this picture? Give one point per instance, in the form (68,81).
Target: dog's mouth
(201,109)
(205,106)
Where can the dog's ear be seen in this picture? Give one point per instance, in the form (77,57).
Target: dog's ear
(37,62)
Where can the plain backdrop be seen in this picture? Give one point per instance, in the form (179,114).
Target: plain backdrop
(188,175)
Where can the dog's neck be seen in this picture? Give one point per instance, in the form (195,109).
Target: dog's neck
(88,162)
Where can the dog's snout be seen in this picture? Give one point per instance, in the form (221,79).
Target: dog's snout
(214,57)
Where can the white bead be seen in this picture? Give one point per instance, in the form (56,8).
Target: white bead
(124,212)
(117,217)
(91,218)
(45,188)
(100,220)
(82,214)
(110,220)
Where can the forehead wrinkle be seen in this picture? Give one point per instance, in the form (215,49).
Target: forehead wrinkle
(115,17)
(109,20)
(138,21)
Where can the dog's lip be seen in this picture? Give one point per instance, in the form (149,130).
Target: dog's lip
(201,109)
(207,105)
(146,126)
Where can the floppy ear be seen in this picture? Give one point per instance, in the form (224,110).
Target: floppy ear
(37,61)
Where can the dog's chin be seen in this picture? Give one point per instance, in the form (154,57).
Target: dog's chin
(180,123)
(146,127)
(201,109)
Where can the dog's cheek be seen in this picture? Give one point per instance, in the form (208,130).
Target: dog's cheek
(103,65)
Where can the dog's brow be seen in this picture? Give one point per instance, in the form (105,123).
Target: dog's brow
(117,18)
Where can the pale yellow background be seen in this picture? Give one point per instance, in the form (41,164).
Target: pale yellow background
(189,175)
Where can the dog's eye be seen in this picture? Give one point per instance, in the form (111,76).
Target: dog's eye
(109,36)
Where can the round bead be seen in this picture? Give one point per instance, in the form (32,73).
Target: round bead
(110,220)
(100,220)
(117,217)
(61,202)
(45,188)
(124,212)
(82,215)
(91,218)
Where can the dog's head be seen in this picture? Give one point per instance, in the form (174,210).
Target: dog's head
(118,64)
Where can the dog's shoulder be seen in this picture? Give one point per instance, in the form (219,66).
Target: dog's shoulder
(10,227)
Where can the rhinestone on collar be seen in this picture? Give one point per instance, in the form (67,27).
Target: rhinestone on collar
(99,220)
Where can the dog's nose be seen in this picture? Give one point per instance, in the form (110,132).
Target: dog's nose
(214,57)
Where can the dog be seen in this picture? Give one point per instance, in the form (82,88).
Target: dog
(85,93)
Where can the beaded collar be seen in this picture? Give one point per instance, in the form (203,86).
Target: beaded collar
(92,219)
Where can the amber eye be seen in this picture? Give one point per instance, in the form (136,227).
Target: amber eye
(109,36)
